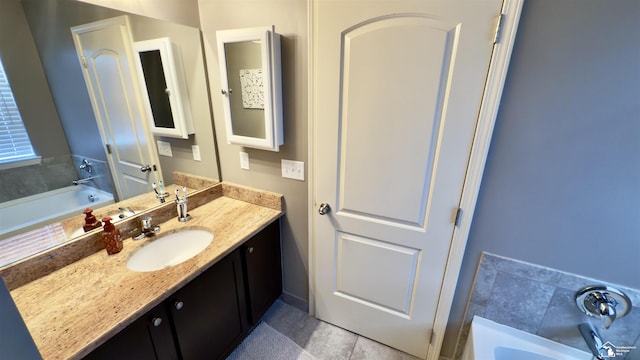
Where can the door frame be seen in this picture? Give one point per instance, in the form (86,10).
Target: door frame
(154,158)
(496,76)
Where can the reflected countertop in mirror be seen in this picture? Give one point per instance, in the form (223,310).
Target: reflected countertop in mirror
(46,78)
(20,246)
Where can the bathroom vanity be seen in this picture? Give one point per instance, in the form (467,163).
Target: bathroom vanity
(211,314)
(203,307)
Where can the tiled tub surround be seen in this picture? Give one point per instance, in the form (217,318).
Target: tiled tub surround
(86,296)
(541,301)
(52,173)
(99,170)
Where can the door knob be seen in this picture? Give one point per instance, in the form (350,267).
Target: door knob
(178,305)
(145,168)
(324,209)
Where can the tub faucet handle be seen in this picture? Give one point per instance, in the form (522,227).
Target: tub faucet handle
(606,307)
(604,302)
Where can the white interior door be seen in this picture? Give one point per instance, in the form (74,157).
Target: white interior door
(398,90)
(105,51)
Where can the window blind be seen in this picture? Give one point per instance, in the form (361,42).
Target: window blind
(14,140)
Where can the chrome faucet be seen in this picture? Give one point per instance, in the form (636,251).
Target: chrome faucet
(86,166)
(146,228)
(160,194)
(126,211)
(83,180)
(594,341)
(605,302)
(605,306)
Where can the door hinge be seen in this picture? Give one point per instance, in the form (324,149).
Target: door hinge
(84,62)
(496,37)
(456,222)
(108,149)
(432,337)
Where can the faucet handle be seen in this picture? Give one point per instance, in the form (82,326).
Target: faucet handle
(605,302)
(605,306)
(146,222)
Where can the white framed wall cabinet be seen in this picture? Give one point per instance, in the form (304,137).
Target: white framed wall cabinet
(251,81)
(162,78)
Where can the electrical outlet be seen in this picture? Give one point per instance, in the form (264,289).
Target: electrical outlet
(244,160)
(293,169)
(164,148)
(195,149)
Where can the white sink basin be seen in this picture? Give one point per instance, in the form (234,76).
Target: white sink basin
(169,250)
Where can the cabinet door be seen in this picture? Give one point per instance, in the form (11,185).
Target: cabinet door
(208,313)
(263,272)
(149,337)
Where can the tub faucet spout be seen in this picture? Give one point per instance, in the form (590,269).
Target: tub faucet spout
(83,180)
(594,341)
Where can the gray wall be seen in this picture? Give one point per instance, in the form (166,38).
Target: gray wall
(31,91)
(290,20)
(561,186)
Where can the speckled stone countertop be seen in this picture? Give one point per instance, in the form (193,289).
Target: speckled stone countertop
(75,308)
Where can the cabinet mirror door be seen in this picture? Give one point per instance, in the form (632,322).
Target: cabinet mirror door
(163,82)
(250,74)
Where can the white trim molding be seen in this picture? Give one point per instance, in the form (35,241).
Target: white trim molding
(498,67)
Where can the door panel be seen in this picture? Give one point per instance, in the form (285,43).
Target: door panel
(398,90)
(105,47)
(411,96)
(358,265)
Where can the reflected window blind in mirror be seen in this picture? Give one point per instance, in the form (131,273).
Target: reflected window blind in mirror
(14,140)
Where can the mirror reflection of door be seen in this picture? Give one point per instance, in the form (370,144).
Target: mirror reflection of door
(104,48)
(246,88)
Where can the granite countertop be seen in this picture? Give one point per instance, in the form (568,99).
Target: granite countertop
(75,308)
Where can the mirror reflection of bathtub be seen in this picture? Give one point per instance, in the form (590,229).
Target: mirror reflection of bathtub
(30,214)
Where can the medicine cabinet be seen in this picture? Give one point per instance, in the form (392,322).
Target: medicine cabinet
(162,79)
(250,76)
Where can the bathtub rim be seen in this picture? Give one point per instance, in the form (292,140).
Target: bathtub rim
(105,198)
(495,335)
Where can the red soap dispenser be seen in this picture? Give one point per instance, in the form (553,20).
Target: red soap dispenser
(111,237)
(90,221)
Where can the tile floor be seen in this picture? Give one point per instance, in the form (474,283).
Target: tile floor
(325,341)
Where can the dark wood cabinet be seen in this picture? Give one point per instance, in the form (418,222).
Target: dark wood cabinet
(149,337)
(263,271)
(210,315)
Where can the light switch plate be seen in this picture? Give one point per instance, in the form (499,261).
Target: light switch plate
(164,148)
(195,149)
(293,169)
(244,160)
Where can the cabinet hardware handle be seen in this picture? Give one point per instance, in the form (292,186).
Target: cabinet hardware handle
(156,321)
(250,250)
(178,305)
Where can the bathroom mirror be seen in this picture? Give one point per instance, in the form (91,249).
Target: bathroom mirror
(250,74)
(37,50)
